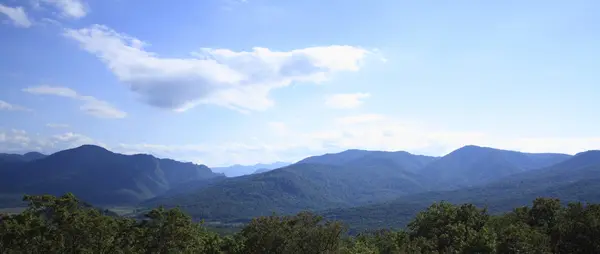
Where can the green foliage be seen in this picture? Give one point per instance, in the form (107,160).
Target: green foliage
(65,225)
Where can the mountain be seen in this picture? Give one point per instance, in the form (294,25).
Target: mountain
(575,179)
(261,170)
(239,170)
(300,186)
(99,176)
(401,159)
(7,157)
(474,165)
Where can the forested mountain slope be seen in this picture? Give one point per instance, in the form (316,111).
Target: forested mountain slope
(473,165)
(99,176)
(403,160)
(294,188)
(576,179)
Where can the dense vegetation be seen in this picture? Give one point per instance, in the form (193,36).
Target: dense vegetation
(63,225)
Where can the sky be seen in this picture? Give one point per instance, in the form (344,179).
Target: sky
(224,82)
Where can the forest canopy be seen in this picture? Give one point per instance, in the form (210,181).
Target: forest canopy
(66,225)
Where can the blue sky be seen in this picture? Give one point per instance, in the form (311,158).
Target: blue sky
(224,81)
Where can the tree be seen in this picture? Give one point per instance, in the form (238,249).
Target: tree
(452,229)
(303,233)
(580,229)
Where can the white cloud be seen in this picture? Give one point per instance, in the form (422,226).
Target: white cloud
(17,15)
(346,100)
(73,139)
(91,105)
(19,141)
(57,125)
(237,80)
(11,107)
(69,8)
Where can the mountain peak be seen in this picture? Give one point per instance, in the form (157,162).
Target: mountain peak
(33,156)
(90,148)
(589,153)
(475,148)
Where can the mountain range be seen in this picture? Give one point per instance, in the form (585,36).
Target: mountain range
(96,175)
(364,188)
(574,179)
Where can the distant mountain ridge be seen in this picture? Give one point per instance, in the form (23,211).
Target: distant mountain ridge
(99,176)
(30,156)
(239,170)
(351,178)
(405,160)
(575,179)
(474,165)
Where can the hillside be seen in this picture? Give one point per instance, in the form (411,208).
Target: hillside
(8,157)
(99,176)
(297,187)
(473,165)
(346,179)
(576,179)
(401,159)
(240,170)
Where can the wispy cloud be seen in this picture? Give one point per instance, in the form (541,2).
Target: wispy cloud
(57,125)
(237,80)
(346,100)
(91,105)
(19,141)
(12,107)
(68,8)
(17,15)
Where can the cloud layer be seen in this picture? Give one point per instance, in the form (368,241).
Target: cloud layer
(91,105)
(237,80)
(19,141)
(57,125)
(17,15)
